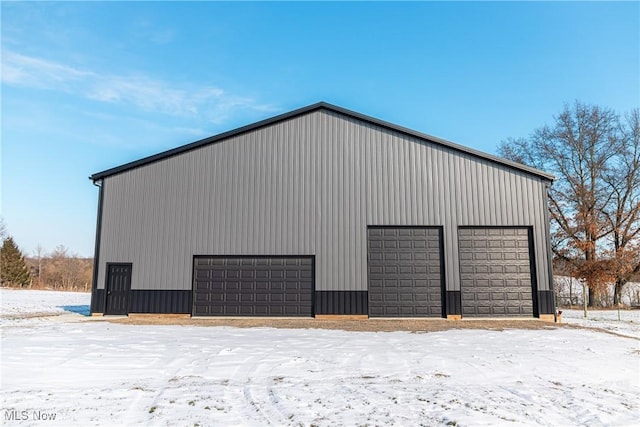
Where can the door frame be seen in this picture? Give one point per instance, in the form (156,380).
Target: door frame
(106,287)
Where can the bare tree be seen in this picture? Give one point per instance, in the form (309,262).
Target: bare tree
(64,270)
(581,146)
(623,212)
(39,254)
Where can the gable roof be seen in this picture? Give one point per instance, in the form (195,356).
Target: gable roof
(305,110)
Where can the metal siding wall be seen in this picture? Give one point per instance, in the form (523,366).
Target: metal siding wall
(160,301)
(307,186)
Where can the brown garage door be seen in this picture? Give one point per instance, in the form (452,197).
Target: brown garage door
(495,272)
(405,272)
(253,286)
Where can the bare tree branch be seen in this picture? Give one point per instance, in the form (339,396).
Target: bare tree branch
(595,203)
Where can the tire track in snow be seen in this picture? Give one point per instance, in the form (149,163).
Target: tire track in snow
(256,398)
(158,387)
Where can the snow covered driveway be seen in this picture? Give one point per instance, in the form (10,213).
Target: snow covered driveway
(87,372)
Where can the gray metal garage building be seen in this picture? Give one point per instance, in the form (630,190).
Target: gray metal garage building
(323,211)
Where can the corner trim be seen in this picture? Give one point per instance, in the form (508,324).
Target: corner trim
(547,232)
(546,303)
(97,300)
(453,303)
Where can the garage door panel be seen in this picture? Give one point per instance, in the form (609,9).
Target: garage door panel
(409,283)
(406,297)
(495,272)
(466,256)
(253,286)
(277,298)
(418,270)
(406,256)
(202,274)
(513,311)
(375,244)
(277,286)
(377,269)
(376,311)
(418,244)
(389,244)
(375,256)
(404,272)
(247,286)
(391,300)
(202,298)
(306,298)
(306,274)
(216,311)
(389,256)
(375,299)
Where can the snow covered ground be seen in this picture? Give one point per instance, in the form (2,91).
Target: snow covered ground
(86,371)
(629,323)
(28,304)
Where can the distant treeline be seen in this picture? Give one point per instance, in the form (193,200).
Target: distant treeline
(59,269)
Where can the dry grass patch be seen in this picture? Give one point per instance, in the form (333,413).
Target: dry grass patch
(369,325)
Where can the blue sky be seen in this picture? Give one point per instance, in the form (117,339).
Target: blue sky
(88,86)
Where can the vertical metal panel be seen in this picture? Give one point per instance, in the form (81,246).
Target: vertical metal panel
(160,301)
(97,300)
(308,185)
(341,302)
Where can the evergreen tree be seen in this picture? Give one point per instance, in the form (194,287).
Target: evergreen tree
(13,268)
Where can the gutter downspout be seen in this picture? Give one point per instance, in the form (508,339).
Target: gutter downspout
(547,232)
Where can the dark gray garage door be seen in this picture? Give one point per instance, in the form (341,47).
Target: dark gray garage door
(495,272)
(253,286)
(405,272)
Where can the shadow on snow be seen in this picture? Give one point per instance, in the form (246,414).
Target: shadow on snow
(78,309)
